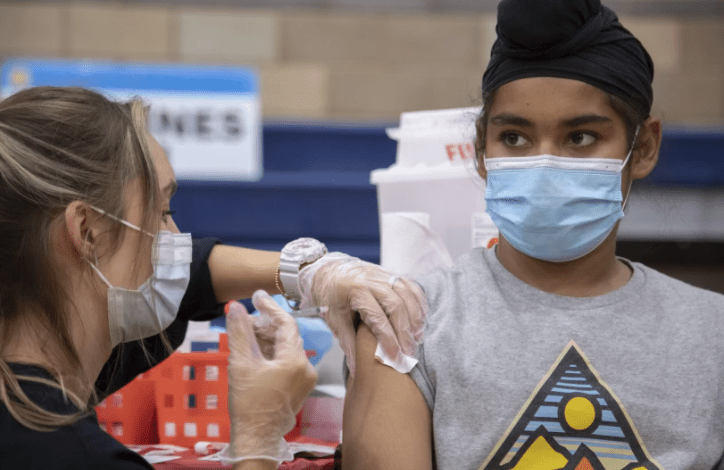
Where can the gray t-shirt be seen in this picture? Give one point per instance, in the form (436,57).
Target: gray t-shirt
(520,379)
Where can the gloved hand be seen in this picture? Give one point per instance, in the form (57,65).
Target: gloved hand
(269,379)
(393,308)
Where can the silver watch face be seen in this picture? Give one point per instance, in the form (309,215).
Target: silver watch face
(304,250)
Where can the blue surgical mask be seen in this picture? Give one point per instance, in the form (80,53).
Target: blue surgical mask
(554,208)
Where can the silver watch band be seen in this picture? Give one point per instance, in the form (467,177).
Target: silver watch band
(289,277)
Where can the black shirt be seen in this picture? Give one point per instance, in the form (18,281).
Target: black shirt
(84,445)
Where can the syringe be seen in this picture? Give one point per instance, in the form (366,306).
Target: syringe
(309,312)
(263,321)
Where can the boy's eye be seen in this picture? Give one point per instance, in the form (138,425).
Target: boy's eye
(583,139)
(512,139)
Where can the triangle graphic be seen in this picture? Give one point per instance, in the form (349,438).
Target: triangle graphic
(572,421)
(584,459)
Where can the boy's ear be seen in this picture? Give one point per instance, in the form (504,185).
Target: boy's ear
(479,145)
(647,154)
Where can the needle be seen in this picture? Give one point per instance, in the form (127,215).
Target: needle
(309,312)
(263,321)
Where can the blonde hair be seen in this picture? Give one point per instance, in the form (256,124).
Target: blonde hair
(59,145)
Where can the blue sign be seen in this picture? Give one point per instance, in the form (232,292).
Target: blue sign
(208,119)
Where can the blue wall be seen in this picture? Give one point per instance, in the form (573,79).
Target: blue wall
(316,183)
(690,158)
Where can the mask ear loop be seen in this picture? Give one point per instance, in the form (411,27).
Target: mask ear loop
(117,219)
(485,163)
(127,224)
(98,271)
(625,162)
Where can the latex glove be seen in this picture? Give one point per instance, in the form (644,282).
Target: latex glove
(393,307)
(269,379)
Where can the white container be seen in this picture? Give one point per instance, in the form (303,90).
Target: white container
(435,173)
(435,137)
(449,193)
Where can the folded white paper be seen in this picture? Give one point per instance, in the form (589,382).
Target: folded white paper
(294,447)
(154,457)
(158,453)
(404,364)
(206,447)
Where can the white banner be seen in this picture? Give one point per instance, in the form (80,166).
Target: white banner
(208,119)
(206,136)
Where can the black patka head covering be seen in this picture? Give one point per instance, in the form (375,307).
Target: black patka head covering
(578,39)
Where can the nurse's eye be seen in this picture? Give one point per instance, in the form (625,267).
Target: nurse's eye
(583,139)
(165,215)
(513,139)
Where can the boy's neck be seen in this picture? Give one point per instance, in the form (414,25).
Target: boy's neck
(594,274)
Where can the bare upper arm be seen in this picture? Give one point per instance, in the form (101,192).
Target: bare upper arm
(387,423)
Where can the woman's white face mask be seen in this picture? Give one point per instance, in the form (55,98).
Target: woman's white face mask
(135,314)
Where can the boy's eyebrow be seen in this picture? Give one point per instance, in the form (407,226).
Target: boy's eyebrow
(586,119)
(506,119)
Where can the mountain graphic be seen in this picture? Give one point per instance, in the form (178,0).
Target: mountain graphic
(572,421)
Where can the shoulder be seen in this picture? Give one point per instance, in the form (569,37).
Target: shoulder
(437,283)
(467,284)
(201,248)
(82,445)
(674,288)
(103,450)
(681,298)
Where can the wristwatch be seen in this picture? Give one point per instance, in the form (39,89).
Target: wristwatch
(295,254)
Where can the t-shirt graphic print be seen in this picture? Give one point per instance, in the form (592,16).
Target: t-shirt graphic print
(572,421)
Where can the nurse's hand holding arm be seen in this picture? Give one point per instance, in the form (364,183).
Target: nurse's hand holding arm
(269,379)
(392,307)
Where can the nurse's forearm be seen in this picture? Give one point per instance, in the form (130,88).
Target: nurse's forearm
(237,272)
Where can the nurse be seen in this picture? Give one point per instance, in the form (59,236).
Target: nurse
(97,285)
(548,351)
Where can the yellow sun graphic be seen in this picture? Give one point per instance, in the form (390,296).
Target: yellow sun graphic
(580,413)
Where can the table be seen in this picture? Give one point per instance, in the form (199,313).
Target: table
(188,459)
